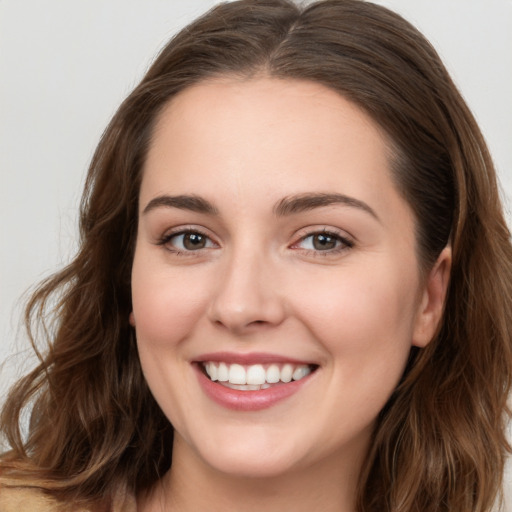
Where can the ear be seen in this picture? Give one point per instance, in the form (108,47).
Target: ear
(131,319)
(433,297)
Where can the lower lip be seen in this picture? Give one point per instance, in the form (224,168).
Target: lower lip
(248,400)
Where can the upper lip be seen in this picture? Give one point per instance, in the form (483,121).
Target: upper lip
(248,358)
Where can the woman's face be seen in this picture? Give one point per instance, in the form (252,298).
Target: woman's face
(273,247)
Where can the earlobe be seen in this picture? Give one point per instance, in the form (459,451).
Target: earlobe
(131,319)
(431,307)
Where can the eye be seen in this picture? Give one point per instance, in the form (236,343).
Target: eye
(324,241)
(187,241)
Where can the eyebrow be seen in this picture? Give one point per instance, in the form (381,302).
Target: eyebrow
(287,206)
(305,202)
(183,202)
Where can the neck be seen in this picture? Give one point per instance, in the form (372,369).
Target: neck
(191,485)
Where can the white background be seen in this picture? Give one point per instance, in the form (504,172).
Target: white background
(65,67)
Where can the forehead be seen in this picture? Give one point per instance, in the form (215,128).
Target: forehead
(266,102)
(263,123)
(244,146)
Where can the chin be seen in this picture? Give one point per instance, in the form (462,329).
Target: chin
(250,456)
(252,466)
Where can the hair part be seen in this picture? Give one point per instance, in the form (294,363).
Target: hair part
(439,444)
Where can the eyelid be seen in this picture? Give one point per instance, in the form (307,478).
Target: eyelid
(347,241)
(183,230)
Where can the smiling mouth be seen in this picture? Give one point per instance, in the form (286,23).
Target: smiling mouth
(257,376)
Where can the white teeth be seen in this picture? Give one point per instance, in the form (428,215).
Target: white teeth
(254,377)
(300,372)
(273,374)
(237,374)
(287,373)
(212,371)
(222,372)
(243,387)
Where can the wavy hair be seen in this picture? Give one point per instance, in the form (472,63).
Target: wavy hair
(439,444)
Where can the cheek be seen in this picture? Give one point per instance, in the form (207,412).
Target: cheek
(166,305)
(365,325)
(166,309)
(368,311)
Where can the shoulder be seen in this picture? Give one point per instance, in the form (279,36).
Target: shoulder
(17,499)
(24,498)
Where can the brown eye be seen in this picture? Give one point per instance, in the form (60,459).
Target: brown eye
(324,241)
(187,241)
(194,241)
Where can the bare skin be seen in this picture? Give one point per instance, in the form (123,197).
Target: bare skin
(191,486)
(269,224)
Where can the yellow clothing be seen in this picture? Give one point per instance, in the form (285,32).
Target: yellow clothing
(26,499)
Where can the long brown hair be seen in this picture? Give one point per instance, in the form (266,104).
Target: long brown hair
(439,444)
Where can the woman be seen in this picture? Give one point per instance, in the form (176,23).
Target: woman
(293,288)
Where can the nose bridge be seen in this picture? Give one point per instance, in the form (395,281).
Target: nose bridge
(247,293)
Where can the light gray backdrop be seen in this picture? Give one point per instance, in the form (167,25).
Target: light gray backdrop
(65,66)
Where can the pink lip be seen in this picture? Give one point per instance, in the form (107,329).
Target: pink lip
(248,400)
(247,359)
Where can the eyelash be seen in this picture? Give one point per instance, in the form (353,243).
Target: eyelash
(166,239)
(343,243)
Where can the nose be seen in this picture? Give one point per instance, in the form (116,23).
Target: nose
(248,296)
